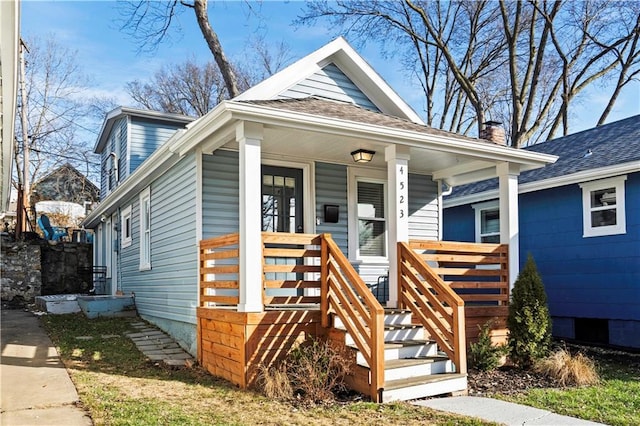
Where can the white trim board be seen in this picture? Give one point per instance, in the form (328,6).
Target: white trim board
(574,178)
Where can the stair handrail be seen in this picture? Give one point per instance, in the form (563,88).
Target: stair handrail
(442,313)
(344,293)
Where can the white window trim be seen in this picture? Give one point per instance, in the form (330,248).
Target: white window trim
(479,208)
(621,225)
(125,241)
(145,264)
(355,175)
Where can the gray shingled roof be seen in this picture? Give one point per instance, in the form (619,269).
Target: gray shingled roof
(352,112)
(608,145)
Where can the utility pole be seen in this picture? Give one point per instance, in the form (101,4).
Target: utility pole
(23,218)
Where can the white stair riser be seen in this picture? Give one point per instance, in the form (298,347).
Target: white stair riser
(398,319)
(395,335)
(392,319)
(424,390)
(404,352)
(436,367)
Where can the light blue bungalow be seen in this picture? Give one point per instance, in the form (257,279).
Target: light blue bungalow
(269,218)
(580,219)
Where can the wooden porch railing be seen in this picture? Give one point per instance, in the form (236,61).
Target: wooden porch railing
(291,263)
(478,272)
(345,294)
(219,269)
(438,308)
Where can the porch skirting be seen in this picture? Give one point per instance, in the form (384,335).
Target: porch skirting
(234,344)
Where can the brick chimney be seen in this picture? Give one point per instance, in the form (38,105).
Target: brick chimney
(493,132)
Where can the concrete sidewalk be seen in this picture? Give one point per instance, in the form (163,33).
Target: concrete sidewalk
(498,411)
(35,386)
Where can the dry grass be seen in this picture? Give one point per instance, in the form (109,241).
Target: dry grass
(274,382)
(568,369)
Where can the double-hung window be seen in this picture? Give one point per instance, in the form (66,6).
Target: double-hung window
(487,222)
(125,221)
(603,207)
(145,230)
(368,215)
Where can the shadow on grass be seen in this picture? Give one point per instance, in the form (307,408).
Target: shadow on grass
(101,345)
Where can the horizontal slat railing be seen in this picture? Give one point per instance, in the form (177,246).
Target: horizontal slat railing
(291,268)
(438,308)
(219,268)
(479,273)
(345,294)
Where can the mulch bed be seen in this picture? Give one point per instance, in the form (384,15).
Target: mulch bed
(509,380)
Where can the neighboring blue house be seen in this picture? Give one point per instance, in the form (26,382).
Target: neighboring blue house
(580,219)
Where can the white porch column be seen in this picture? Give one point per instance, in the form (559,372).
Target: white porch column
(509,233)
(249,137)
(397,158)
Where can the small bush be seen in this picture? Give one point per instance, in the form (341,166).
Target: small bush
(569,370)
(312,373)
(483,355)
(317,371)
(529,321)
(275,383)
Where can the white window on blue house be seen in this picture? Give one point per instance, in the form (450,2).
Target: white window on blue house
(487,217)
(603,207)
(125,222)
(145,230)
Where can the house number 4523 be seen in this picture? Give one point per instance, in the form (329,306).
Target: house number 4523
(401,195)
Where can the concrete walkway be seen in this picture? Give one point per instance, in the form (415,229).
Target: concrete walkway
(35,388)
(498,411)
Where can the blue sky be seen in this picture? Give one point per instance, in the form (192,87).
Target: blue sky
(111,59)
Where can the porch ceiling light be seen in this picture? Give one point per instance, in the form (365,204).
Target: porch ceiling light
(362,155)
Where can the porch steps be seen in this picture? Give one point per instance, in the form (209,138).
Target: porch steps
(414,367)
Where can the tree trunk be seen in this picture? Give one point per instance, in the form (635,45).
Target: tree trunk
(200,8)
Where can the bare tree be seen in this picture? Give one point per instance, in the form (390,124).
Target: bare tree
(149,22)
(55,112)
(186,88)
(194,89)
(526,61)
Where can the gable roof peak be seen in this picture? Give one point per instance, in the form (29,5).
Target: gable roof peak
(340,53)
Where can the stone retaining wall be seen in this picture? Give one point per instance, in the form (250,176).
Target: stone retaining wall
(37,268)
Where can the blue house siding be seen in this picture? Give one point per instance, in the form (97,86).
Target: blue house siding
(331,188)
(594,277)
(220,194)
(145,137)
(330,82)
(116,143)
(167,294)
(458,224)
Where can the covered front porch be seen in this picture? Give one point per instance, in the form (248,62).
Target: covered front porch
(308,287)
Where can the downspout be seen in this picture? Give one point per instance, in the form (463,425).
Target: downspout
(444,189)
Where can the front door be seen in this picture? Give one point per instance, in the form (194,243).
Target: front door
(282,200)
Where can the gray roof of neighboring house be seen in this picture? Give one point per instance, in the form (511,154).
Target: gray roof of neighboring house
(602,146)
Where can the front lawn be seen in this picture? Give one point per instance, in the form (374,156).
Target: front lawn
(118,386)
(615,401)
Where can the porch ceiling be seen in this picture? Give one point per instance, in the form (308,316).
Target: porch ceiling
(329,131)
(295,144)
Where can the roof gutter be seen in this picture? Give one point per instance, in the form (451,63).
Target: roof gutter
(554,182)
